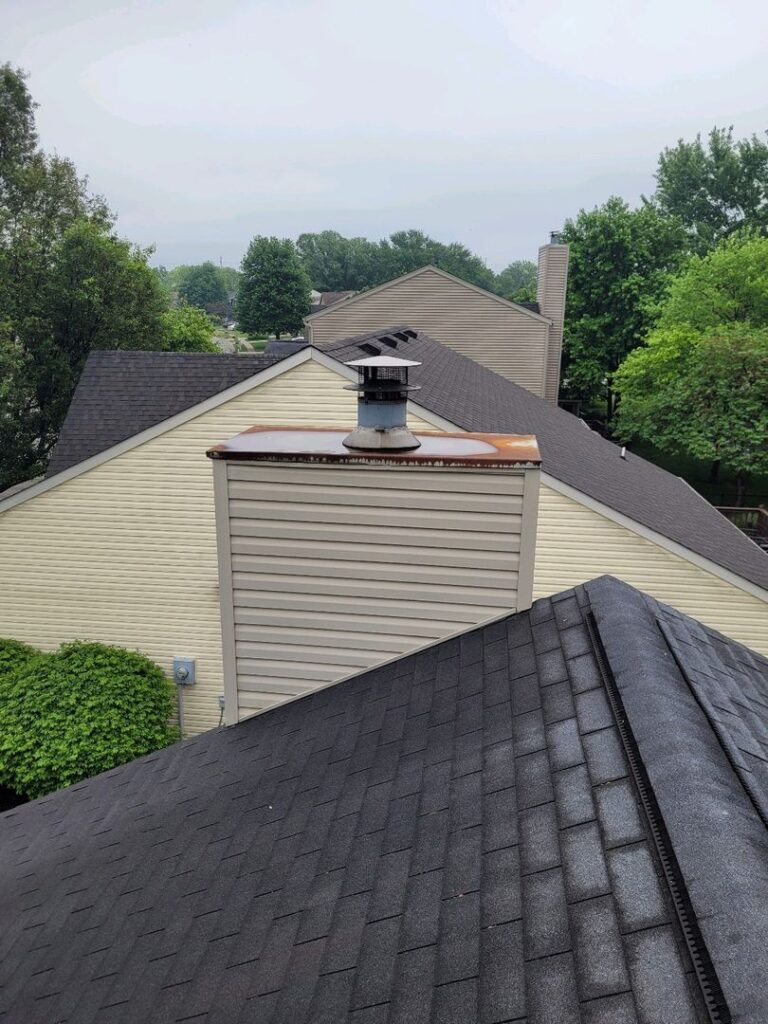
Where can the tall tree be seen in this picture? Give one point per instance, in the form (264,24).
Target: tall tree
(274,288)
(727,285)
(67,285)
(202,286)
(517,281)
(187,329)
(701,393)
(409,250)
(715,188)
(619,268)
(335,263)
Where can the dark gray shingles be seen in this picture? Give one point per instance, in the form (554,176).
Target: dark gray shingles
(121,393)
(354,855)
(477,399)
(715,828)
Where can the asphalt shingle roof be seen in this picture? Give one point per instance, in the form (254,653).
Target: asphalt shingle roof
(456,836)
(476,399)
(122,393)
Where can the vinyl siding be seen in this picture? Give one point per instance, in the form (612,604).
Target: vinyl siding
(552,282)
(500,337)
(576,543)
(126,552)
(334,570)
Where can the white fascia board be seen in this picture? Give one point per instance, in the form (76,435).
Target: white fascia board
(656,538)
(220,398)
(326,360)
(346,303)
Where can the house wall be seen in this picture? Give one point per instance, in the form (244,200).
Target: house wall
(327,570)
(500,337)
(126,552)
(576,543)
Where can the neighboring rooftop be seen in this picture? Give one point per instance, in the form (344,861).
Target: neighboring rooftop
(122,393)
(329,299)
(547,819)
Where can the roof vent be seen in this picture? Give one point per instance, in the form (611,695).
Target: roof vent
(382,400)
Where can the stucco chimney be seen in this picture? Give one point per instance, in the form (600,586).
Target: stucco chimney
(550,294)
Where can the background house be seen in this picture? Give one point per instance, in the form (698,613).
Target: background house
(521,342)
(118,543)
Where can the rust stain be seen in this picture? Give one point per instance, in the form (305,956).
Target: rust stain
(324,445)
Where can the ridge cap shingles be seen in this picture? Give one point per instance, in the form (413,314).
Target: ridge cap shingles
(713,823)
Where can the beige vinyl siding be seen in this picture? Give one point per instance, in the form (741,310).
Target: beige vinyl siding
(497,335)
(550,294)
(126,552)
(576,543)
(337,569)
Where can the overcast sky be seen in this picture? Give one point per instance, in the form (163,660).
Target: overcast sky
(489,122)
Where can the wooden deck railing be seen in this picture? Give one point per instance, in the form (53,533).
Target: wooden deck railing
(753,521)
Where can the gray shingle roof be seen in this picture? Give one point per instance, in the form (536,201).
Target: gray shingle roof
(477,399)
(456,836)
(122,393)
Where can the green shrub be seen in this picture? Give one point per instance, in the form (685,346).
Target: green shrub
(13,654)
(72,714)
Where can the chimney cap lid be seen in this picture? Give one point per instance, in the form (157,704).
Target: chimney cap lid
(391,361)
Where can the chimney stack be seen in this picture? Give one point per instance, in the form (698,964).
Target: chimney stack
(550,295)
(382,404)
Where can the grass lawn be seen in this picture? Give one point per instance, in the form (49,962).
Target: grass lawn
(697,475)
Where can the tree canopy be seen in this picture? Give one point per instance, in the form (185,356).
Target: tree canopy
(336,263)
(202,286)
(701,393)
(68,285)
(517,281)
(274,288)
(714,188)
(620,262)
(700,385)
(727,285)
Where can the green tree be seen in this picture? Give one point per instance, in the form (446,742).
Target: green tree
(409,250)
(231,280)
(67,285)
(702,393)
(729,284)
(274,288)
(516,280)
(187,329)
(202,286)
(714,188)
(620,264)
(334,263)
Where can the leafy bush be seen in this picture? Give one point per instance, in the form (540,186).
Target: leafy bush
(13,655)
(83,710)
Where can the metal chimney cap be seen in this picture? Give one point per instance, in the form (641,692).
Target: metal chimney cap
(385,361)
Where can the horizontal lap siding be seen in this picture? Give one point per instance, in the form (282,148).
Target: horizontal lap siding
(576,543)
(126,553)
(497,336)
(393,559)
